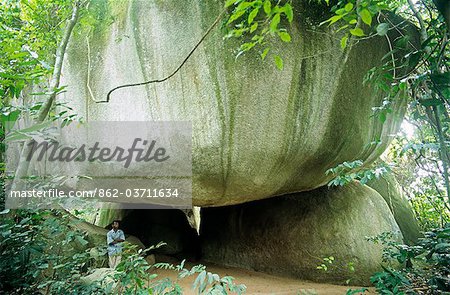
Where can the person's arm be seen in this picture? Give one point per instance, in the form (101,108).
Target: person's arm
(121,237)
(109,239)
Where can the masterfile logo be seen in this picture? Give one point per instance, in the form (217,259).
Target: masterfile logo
(147,153)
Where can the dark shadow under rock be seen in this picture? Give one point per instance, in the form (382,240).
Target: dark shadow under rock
(163,225)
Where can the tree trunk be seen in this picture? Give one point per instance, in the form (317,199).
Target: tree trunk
(22,168)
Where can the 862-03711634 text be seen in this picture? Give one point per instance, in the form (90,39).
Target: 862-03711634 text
(99,193)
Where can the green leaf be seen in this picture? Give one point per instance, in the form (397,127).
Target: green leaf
(366,16)
(247,46)
(442,247)
(414,58)
(275,22)
(285,37)
(278,62)
(341,11)
(244,5)
(402,41)
(36,273)
(10,117)
(342,28)
(264,54)
(348,7)
(229,3)
(356,291)
(23,134)
(430,102)
(267,7)
(402,85)
(441,78)
(6,211)
(344,41)
(382,29)
(253,27)
(81,240)
(252,15)
(256,37)
(289,12)
(332,20)
(235,16)
(357,32)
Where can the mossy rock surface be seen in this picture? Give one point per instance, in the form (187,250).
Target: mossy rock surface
(257,132)
(291,235)
(388,187)
(109,213)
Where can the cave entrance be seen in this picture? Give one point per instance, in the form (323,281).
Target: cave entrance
(172,226)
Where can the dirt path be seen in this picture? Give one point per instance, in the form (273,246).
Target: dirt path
(260,283)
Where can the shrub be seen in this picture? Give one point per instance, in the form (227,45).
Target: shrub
(40,252)
(425,266)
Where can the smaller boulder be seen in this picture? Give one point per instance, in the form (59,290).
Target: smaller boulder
(388,187)
(150,259)
(318,235)
(103,276)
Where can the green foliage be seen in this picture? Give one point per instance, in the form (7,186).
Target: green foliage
(413,71)
(132,276)
(426,266)
(326,262)
(39,251)
(392,249)
(205,283)
(329,264)
(351,15)
(356,291)
(390,281)
(258,22)
(417,169)
(348,172)
(29,32)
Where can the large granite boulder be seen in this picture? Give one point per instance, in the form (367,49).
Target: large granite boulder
(291,235)
(388,187)
(257,132)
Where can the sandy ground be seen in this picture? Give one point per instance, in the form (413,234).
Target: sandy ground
(260,283)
